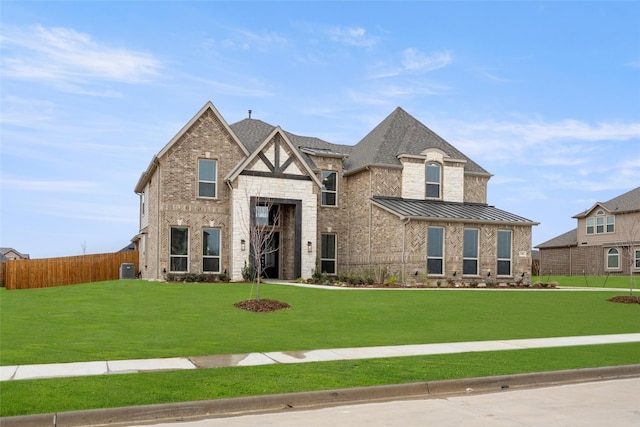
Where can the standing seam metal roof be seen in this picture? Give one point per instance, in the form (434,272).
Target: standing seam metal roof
(435,209)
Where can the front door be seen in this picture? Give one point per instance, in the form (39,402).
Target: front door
(272,257)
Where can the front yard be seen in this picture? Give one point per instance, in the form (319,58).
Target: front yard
(138,319)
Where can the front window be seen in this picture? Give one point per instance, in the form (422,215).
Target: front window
(613,259)
(211,250)
(470,252)
(601,223)
(328,252)
(435,250)
(611,223)
(504,253)
(591,225)
(329,188)
(179,249)
(433,180)
(637,259)
(207,178)
(142,203)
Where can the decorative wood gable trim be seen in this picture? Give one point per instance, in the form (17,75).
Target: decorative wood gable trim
(275,157)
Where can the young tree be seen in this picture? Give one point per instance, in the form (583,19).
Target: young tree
(265,219)
(260,224)
(629,247)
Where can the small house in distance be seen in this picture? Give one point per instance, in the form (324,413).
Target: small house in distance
(402,198)
(605,241)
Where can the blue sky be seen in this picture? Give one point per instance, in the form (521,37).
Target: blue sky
(544,95)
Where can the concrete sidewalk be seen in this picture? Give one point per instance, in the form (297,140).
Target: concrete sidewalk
(57,370)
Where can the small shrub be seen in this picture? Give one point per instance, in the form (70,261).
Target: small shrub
(247,272)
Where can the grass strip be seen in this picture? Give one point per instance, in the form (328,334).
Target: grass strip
(603,282)
(108,391)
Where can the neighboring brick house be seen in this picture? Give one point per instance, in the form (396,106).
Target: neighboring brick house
(402,198)
(606,241)
(10,254)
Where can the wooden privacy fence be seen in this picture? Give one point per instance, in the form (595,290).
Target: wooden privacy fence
(49,272)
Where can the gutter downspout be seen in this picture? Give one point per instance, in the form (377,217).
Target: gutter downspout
(404,234)
(157,162)
(370,214)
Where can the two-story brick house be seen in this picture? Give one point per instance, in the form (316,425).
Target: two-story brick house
(401,198)
(605,241)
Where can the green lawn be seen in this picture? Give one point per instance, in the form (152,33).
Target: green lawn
(138,319)
(621,282)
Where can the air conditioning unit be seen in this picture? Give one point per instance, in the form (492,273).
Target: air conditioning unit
(127,270)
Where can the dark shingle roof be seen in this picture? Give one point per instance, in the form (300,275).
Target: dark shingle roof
(627,202)
(449,211)
(570,238)
(400,133)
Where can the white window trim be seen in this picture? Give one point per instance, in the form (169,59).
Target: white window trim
(606,259)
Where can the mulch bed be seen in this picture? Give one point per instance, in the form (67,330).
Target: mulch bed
(262,305)
(626,299)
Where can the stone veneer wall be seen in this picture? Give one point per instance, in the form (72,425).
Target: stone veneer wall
(246,187)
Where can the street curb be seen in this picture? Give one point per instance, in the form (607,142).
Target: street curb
(192,411)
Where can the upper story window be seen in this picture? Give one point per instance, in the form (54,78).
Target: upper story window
(207,178)
(434,179)
(329,188)
(601,223)
(142,203)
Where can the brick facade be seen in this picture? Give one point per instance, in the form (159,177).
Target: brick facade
(368,237)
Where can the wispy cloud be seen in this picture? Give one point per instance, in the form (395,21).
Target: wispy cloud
(70,60)
(418,61)
(265,41)
(49,186)
(353,36)
(565,154)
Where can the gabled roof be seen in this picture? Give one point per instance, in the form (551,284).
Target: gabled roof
(627,202)
(262,144)
(570,238)
(253,132)
(5,251)
(146,175)
(448,211)
(401,134)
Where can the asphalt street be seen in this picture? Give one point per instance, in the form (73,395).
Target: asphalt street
(614,403)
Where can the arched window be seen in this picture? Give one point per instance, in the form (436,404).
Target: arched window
(434,180)
(613,259)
